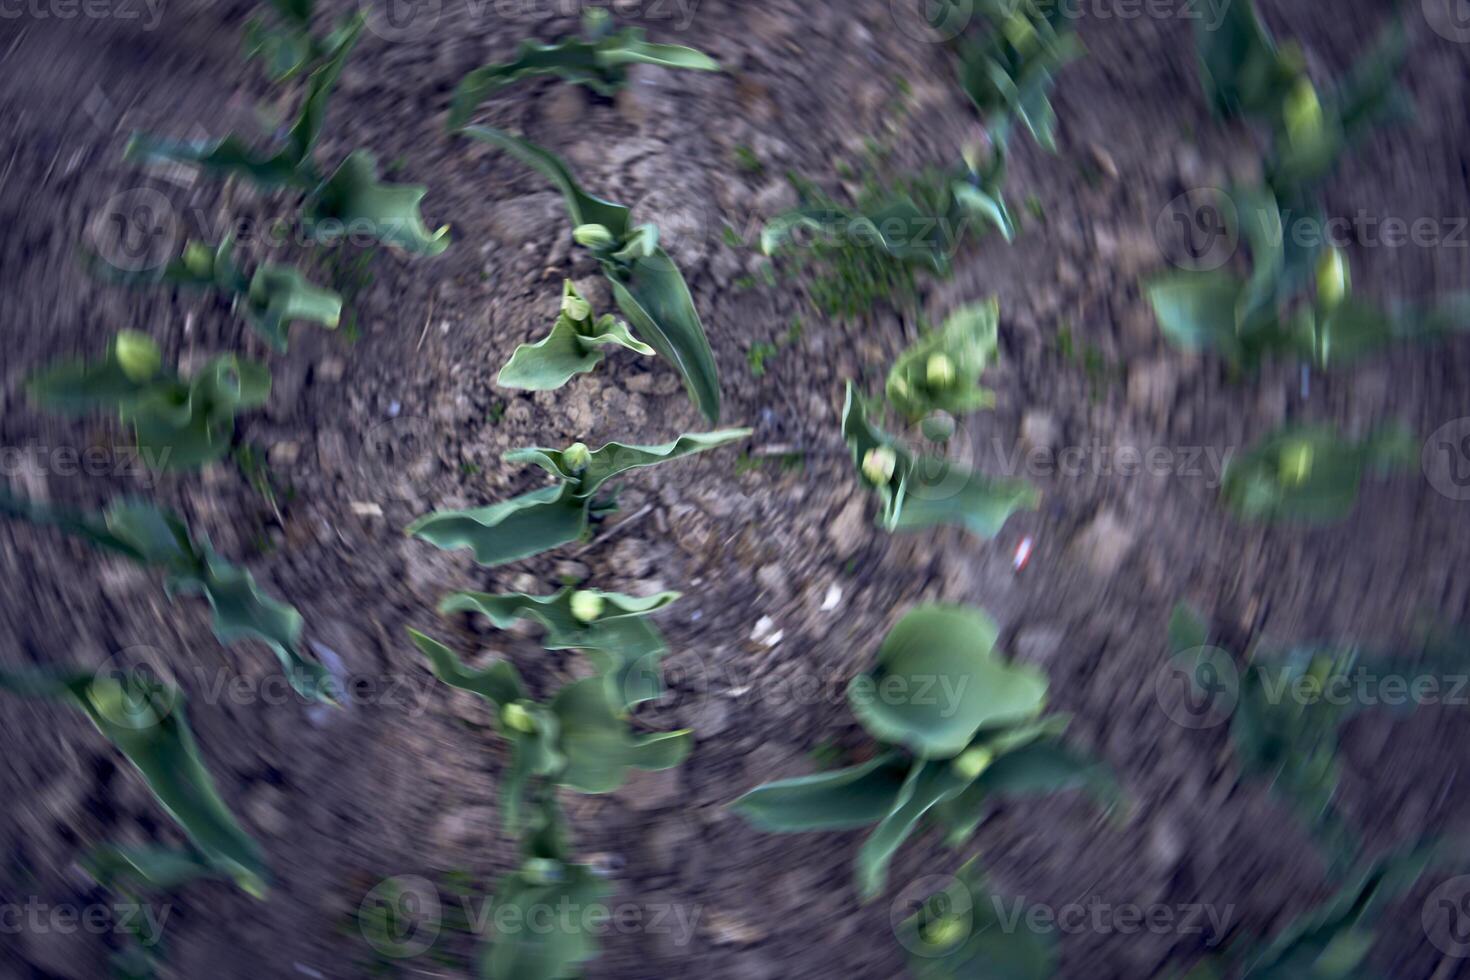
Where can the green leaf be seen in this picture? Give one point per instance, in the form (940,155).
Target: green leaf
(1307,473)
(598,747)
(838,800)
(622,643)
(1196,310)
(928,785)
(938,680)
(960,933)
(186,425)
(554,949)
(512,529)
(652,294)
(599,63)
(227,157)
(499,683)
(584,208)
(616,458)
(573,347)
(146,721)
(278,295)
(1188,630)
(164,869)
(941,373)
(305,132)
(352,200)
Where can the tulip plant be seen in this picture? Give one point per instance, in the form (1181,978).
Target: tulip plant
(156,539)
(1308,473)
(349,199)
(959,729)
(916,492)
(647,286)
(146,721)
(180,423)
(558,514)
(1269,312)
(958,933)
(611,629)
(271,298)
(599,60)
(941,373)
(285,42)
(574,346)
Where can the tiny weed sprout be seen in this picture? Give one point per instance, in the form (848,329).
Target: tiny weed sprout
(271,299)
(147,723)
(647,286)
(579,739)
(959,730)
(179,423)
(916,492)
(941,373)
(349,201)
(959,933)
(561,513)
(612,630)
(156,539)
(574,346)
(599,59)
(1309,474)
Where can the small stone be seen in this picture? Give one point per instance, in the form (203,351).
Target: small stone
(1104,544)
(850,527)
(1152,385)
(772,579)
(1102,160)
(776,197)
(833,598)
(284,454)
(765,631)
(1038,430)
(467,827)
(330,370)
(725,929)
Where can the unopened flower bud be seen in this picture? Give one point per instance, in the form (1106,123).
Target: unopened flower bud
(1295,464)
(586,606)
(593,236)
(970,763)
(517,718)
(1333,278)
(939,372)
(879,464)
(137,354)
(576,456)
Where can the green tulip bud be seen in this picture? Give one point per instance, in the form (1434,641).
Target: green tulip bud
(586,606)
(1302,111)
(593,236)
(1295,464)
(137,354)
(517,718)
(575,307)
(576,457)
(1333,278)
(978,152)
(943,933)
(879,464)
(970,763)
(199,259)
(939,372)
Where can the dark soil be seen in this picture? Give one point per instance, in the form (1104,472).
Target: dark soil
(405,418)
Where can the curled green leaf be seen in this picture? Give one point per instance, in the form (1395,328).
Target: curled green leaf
(574,346)
(352,201)
(941,373)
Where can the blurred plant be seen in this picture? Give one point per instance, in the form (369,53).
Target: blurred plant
(1270,312)
(959,729)
(349,200)
(574,346)
(1308,473)
(579,739)
(941,373)
(271,298)
(558,514)
(1332,941)
(179,423)
(156,539)
(147,723)
(613,630)
(952,936)
(284,42)
(916,492)
(647,285)
(599,59)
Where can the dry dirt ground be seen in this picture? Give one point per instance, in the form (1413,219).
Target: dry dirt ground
(405,416)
